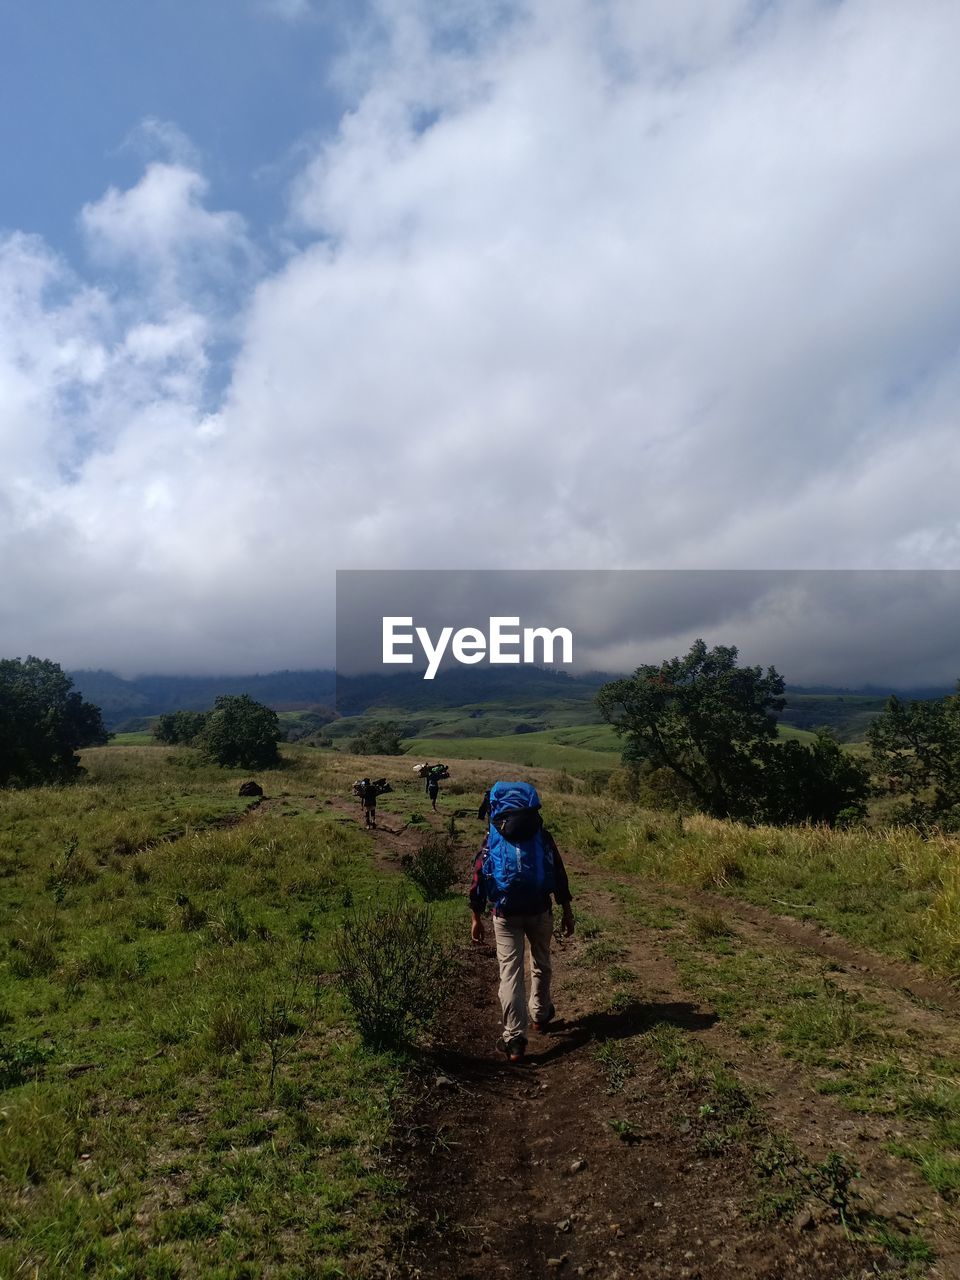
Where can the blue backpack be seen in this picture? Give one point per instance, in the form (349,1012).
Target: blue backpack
(518,868)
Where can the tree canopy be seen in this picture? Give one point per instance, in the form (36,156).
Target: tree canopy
(915,747)
(180,728)
(382,738)
(240,733)
(43,723)
(713,724)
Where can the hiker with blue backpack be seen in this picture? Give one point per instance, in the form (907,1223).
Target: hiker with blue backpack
(516,871)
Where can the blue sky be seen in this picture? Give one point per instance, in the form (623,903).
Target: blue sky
(282,282)
(245,86)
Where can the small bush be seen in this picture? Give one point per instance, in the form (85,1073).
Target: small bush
(433,868)
(563,783)
(624,784)
(707,925)
(391,965)
(20,1061)
(33,953)
(232,925)
(382,738)
(595,781)
(615,1063)
(229,1029)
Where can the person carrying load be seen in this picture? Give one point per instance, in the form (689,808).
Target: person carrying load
(367,792)
(435,773)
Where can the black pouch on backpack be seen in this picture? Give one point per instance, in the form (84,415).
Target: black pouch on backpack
(517,825)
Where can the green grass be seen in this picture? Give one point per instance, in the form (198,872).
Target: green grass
(887,888)
(848,1044)
(546,750)
(148,950)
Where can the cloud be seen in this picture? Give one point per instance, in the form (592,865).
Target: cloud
(579,284)
(162,230)
(156,139)
(847,628)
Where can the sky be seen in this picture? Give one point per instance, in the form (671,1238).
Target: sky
(288,287)
(844,628)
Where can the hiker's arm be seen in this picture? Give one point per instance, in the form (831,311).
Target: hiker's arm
(561,889)
(478,897)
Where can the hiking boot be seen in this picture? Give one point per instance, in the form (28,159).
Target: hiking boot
(514,1050)
(541,1024)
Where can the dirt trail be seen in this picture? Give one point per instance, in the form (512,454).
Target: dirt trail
(558,1168)
(550,1169)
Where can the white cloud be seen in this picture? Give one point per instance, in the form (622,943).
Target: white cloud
(162,230)
(603,284)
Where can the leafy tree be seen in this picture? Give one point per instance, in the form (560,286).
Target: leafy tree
(43,722)
(819,783)
(915,750)
(704,718)
(241,733)
(379,739)
(181,728)
(712,725)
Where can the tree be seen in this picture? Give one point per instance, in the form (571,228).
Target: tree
(180,728)
(43,722)
(713,726)
(915,750)
(241,733)
(819,783)
(701,716)
(379,739)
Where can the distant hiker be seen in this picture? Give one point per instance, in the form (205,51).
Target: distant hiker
(433,789)
(516,871)
(367,793)
(434,775)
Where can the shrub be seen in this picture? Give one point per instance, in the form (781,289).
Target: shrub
(664,789)
(391,965)
(229,1028)
(624,784)
(20,1061)
(32,950)
(241,733)
(595,781)
(433,868)
(382,738)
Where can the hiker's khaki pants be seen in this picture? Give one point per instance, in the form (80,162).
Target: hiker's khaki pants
(510,932)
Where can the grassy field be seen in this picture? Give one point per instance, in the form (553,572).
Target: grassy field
(545,750)
(158,956)
(889,888)
(580,749)
(471,730)
(184,1092)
